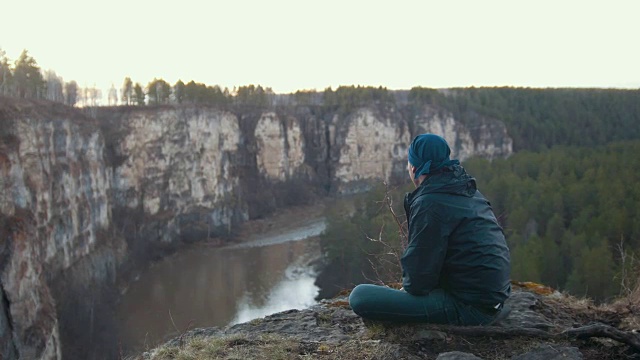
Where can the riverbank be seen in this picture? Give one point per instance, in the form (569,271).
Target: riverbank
(283,221)
(270,267)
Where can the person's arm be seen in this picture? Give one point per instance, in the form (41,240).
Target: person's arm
(423,259)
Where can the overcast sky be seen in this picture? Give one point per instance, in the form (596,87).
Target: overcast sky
(297,44)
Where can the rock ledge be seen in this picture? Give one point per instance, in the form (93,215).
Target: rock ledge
(541,325)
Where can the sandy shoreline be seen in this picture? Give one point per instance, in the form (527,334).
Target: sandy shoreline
(282,221)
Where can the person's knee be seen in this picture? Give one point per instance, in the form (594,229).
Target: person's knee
(359,298)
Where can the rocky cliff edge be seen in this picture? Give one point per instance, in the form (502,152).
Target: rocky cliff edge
(542,324)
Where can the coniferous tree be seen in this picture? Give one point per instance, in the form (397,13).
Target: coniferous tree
(5,74)
(158,92)
(138,95)
(27,78)
(127,91)
(71,93)
(178,92)
(192,93)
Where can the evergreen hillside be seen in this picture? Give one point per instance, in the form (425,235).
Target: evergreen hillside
(538,119)
(570,213)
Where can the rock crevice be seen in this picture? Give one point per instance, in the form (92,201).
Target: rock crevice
(7,346)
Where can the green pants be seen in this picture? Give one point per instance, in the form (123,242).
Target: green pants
(438,307)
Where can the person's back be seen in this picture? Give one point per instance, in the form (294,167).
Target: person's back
(475,267)
(456,266)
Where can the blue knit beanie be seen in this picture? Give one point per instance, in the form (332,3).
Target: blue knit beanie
(428,153)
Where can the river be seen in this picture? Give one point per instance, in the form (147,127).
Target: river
(205,286)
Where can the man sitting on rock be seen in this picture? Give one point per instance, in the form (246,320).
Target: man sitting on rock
(456,266)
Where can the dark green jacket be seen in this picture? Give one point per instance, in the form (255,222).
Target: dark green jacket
(455,241)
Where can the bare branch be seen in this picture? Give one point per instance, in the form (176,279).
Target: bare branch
(183,333)
(401,228)
(601,330)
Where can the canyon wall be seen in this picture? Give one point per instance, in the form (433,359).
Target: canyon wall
(85,199)
(55,212)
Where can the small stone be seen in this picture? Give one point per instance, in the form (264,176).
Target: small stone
(430,335)
(550,352)
(457,355)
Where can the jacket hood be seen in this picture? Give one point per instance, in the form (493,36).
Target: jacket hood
(451,180)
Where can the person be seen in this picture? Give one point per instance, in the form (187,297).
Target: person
(456,267)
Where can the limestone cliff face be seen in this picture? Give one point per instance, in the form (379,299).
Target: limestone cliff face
(280,146)
(479,137)
(178,161)
(83,198)
(54,210)
(373,145)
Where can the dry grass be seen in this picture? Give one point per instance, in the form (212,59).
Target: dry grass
(629,309)
(535,287)
(634,297)
(272,347)
(266,346)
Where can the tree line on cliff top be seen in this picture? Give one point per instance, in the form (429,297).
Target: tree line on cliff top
(536,118)
(24,79)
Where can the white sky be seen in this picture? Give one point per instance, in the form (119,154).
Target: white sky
(290,45)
